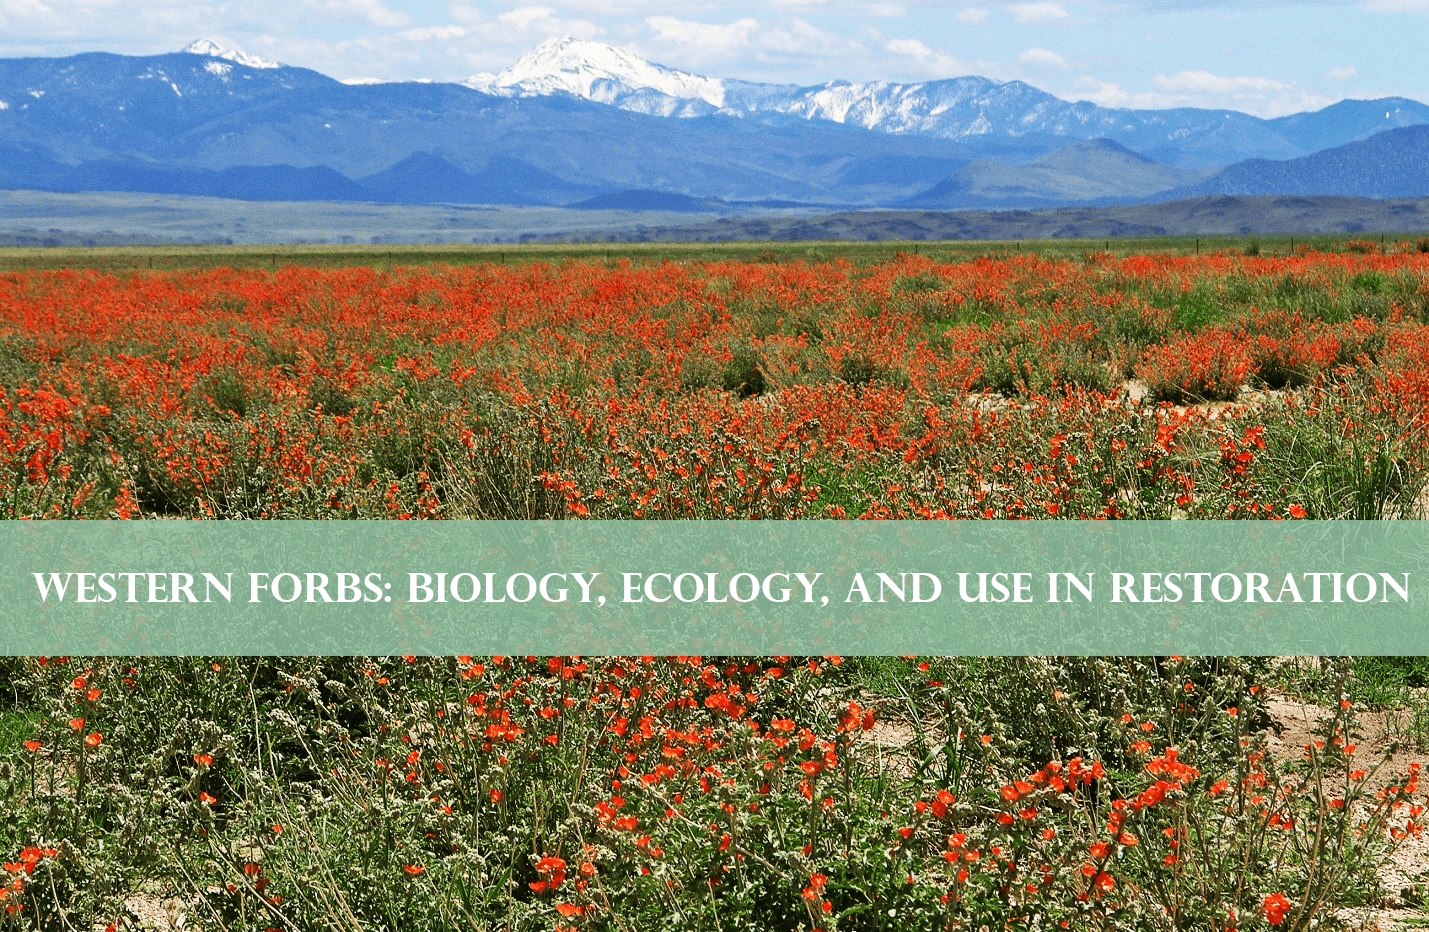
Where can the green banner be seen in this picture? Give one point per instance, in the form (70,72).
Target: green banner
(687,587)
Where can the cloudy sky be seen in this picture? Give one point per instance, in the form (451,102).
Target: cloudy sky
(1265,57)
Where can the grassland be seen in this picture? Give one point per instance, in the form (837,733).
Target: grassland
(133,258)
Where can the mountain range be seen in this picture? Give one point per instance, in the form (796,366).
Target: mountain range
(956,108)
(579,123)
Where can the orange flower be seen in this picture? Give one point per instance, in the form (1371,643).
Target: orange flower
(1277,905)
(413,869)
(94,739)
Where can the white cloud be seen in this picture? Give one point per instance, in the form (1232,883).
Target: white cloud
(1043,11)
(433,33)
(805,41)
(1195,83)
(1343,73)
(603,9)
(523,17)
(750,49)
(23,8)
(972,15)
(1263,97)
(65,27)
(850,8)
(708,38)
(373,11)
(492,42)
(914,48)
(1042,58)
(449,51)
(1103,93)
(935,63)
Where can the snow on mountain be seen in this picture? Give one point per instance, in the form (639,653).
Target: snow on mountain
(969,106)
(596,72)
(214,50)
(961,107)
(957,108)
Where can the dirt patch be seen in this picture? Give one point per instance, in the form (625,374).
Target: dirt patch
(1379,749)
(897,749)
(152,910)
(1377,738)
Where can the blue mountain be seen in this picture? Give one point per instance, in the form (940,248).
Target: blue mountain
(575,121)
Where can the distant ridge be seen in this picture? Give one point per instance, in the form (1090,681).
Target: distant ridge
(243,182)
(424,178)
(1206,216)
(1098,171)
(1394,163)
(648,200)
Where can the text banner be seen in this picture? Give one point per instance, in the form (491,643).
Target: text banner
(689,587)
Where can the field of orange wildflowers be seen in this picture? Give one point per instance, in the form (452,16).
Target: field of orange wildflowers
(1101,387)
(625,793)
(419,794)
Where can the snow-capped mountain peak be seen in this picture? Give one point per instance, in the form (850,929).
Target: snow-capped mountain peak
(594,71)
(608,75)
(214,50)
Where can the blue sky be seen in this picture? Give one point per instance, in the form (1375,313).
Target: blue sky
(1261,56)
